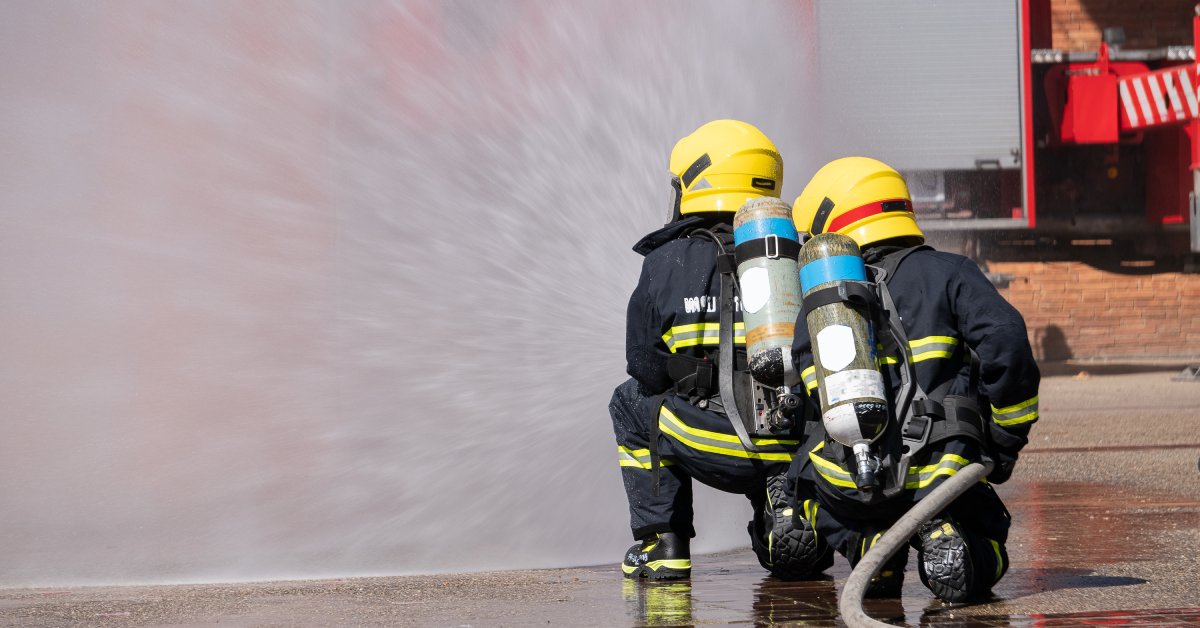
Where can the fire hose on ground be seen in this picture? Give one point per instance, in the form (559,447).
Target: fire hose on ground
(850,602)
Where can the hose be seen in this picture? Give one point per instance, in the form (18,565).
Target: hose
(850,602)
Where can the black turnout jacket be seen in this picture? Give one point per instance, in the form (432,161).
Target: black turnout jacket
(675,307)
(946,304)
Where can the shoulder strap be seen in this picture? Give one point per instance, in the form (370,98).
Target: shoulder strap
(915,408)
(725,362)
(892,261)
(910,401)
(723,238)
(726,351)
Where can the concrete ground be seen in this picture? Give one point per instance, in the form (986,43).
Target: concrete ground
(1106,503)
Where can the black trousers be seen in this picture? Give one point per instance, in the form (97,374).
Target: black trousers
(692,443)
(854,529)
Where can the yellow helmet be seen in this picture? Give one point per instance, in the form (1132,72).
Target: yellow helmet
(723,164)
(860,197)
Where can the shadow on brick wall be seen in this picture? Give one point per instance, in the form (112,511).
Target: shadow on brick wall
(1052,344)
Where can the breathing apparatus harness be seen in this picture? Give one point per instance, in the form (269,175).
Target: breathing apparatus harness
(923,417)
(727,383)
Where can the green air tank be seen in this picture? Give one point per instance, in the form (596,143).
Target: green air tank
(854,406)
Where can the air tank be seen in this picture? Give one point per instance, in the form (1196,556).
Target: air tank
(766,246)
(853,402)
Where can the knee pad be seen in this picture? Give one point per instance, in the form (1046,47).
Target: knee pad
(785,542)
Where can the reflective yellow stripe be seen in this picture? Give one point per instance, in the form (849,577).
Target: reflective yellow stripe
(668,426)
(670,563)
(1015,407)
(810,513)
(999,559)
(638,458)
(1024,418)
(920,342)
(737,453)
(947,466)
(920,355)
(703,340)
(662,462)
(683,329)
(1024,412)
(916,478)
(917,357)
(955,458)
(832,473)
(809,377)
(708,334)
(729,438)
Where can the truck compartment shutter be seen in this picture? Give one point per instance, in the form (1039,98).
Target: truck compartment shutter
(922,85)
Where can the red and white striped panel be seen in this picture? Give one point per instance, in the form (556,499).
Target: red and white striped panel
(1160,97)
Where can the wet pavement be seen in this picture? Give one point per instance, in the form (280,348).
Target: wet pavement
(1106,505)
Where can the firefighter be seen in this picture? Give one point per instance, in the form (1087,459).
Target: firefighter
(970,353)
(669,422)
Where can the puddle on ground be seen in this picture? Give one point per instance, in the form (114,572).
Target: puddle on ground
(1059,528)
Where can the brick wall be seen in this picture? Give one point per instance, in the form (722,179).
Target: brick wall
(1076,25)
(1074,311)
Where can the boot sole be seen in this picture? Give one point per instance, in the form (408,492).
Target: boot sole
(948,551)
(793,553)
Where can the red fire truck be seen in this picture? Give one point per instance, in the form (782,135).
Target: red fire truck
(1018,150)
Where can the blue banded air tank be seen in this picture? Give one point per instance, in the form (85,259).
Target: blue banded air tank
(766,246)
(853,402)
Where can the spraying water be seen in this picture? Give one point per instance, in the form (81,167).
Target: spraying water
(302,289)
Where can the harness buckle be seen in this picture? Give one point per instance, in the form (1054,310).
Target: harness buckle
(929,408)
(767,242)
(704,378)
(916,428)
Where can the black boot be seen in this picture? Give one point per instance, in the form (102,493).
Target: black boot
(661,557)
(944,561)
(784,541)
(889,582)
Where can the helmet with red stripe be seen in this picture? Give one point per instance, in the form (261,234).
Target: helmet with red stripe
(860,197)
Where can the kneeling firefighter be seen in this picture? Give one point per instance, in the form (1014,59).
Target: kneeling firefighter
(677,418)
(920,367)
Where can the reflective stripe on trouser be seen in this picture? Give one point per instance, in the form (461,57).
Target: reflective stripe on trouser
(697,444)
(638,458)
(669,508)
(705,446)
(919,477)
(979,512)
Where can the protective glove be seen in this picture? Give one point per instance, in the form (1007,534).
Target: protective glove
(1002,445)
(1003,468)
